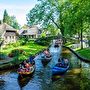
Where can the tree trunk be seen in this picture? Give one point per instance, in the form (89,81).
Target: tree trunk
(81,38)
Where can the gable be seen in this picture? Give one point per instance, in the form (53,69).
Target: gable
(5,27)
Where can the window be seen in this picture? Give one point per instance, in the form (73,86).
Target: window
(10,37)
(6,37)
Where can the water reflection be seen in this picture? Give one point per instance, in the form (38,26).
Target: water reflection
(77,77)
(23,81)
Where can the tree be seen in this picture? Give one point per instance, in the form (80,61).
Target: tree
(69,16)
(14,23)
(52,29)
(0,21)
(78,16)
(6,17)
(10,20)
(44,13)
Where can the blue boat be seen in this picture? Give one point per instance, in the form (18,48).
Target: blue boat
(59,68)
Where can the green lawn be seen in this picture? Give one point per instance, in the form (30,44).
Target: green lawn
(84,53)
(30,48)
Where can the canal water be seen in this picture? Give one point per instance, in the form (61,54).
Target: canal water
(77,77)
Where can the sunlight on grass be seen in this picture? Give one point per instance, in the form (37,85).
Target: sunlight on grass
(29,48)
(84,53)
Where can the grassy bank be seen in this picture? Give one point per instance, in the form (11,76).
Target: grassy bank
(84,53)
(30,48)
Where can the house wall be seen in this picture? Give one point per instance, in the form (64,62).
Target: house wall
(10,37)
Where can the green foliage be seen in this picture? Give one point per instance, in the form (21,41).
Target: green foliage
(43,35)
(10,20)
(23,51)
(45,41)
(22,57)
(15,44)
(16,52)
(52,30)
(71,17)
(23,40)
(84,53)
(44,13)
(14,22)
(6,17)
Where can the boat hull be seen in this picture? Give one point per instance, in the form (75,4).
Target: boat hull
(59,70)
(30,73)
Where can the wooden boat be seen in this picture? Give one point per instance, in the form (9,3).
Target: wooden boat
(26,71)
(46,59)
(60,69)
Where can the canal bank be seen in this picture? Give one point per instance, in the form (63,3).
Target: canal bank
(78,55)
(17,54)
(12,64)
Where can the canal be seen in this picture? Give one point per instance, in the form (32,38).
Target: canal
(77,77)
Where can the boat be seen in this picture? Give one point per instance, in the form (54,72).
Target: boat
(26,71)
(46,59)
(26,68)
(59,68)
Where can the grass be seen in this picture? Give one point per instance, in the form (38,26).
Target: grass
(84,53)
(30,48)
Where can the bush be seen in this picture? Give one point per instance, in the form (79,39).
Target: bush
(16,44)
(43,41)
(16,52)
(22,57)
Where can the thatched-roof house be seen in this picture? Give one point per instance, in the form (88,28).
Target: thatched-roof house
(31,32)
(7,34)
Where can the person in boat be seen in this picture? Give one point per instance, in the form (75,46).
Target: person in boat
(21,68)
(23,64)
(58,65)
(62,62)
(46,51)
(59,60)
(31,60)
(66,62)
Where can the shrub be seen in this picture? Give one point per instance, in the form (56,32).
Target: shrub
(16,52)
(43,41)
(22,57)
(16,44)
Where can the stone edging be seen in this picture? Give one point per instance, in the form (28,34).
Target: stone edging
(80,57)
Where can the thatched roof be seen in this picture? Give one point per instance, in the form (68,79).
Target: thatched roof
(29,30)
(5,27)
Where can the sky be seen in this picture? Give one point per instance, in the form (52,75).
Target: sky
(18,8)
